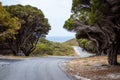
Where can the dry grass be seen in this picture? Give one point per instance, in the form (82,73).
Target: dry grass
(12,57)
(94,68)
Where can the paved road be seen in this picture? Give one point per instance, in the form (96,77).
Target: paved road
(34,69)
(82,53)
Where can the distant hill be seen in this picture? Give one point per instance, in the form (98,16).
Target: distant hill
(54,48)
(71,42)
(59,38)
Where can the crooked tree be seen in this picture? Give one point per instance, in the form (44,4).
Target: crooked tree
(98,21)
(33,26)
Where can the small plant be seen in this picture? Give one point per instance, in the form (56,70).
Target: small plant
(87,65)
(85,61)
(105,65)
(119,64)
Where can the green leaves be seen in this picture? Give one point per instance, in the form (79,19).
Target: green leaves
(83,42)
(69,24)
(85,13)
(8,25)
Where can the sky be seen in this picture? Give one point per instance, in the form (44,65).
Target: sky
(57,12)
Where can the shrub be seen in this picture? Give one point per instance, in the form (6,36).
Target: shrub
(87,45)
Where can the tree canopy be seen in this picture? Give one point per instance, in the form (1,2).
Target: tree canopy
(8,24)
(33,26)
(98,21)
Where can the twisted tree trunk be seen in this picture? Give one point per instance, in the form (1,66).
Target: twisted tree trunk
(112,55)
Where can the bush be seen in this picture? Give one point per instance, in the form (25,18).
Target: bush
(42,49)
(87,45)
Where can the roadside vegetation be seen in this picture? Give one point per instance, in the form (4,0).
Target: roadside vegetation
(45,47)
(87,45)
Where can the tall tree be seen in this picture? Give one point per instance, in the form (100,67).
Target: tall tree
(33,26)
(99,21)
(8,25)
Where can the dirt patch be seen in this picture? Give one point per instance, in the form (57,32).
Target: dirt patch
(93,68)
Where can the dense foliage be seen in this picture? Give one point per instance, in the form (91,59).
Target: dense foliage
(33,26)
(8,24)
(98,21)
(87,45)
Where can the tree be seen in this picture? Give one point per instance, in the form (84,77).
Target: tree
(98,21)
(33,26)
(8,25)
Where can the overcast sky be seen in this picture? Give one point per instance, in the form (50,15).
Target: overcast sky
(57,11)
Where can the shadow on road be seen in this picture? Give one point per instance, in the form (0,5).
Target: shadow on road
(9,60)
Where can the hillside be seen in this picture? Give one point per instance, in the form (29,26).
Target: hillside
(45,47)
(71,42)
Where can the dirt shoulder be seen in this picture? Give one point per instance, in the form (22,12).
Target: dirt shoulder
(92,68)
(12,57)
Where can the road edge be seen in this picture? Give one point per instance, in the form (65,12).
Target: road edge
(62,65)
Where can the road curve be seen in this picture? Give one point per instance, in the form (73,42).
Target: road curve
(34,69)
(82,53)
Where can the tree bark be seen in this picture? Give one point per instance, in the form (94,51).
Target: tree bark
(112,59)
(112,55)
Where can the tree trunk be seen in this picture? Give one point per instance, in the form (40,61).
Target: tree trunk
(112,55)
(112,58)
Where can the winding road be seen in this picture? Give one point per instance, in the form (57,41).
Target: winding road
(82,53)
(42,68)
(46,68)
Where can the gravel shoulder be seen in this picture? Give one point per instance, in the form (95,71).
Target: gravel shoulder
(92,68)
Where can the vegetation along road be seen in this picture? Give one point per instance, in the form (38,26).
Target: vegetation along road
(46,68)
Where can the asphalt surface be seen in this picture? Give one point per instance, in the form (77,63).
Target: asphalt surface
(82,53)
(47,68)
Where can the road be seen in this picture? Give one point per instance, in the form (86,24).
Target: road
(82,53)
(46,68)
